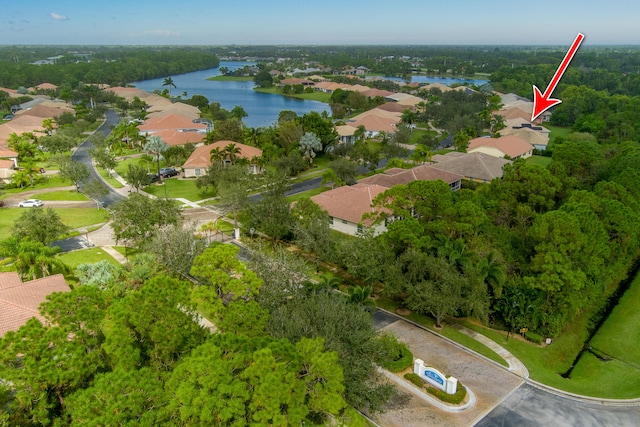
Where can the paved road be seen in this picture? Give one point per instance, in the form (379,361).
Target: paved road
(82,155)
(529,406)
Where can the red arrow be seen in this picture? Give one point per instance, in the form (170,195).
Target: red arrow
(542,101)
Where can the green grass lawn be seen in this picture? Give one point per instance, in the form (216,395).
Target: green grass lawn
(123,165)
(70,195)
(182,188)
(86,256)
(112,181)
(546,363)
(539,160)
(313,96)
(40,183)
(73,217)
(620,334)
(557,131)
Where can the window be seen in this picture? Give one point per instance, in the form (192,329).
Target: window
(197,171)
(360,228)
(330,220)
(344,221)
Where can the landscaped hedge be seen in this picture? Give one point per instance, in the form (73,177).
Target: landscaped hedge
(403,362)
(533,337)
(456,399)
(415,379)
(393,355)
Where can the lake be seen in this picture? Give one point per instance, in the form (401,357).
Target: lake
(263,108)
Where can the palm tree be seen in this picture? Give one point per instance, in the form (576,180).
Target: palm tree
(361,295)
(456,252)
(155,147)
(408,118)
(168,81)
(216,156)
(492,272)
(31,259)
(238,113)
(252,136)
(330,176)
(360,132)
(421,154)
(48,125)
(325,283)
(232,152)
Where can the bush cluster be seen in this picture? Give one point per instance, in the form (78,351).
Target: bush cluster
(533,337)
(403,359)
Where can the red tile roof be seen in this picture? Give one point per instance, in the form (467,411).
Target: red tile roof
(200,158)
(511,145)
(174,137)
(397,176)
(170,121)
(19,301)
(349,202)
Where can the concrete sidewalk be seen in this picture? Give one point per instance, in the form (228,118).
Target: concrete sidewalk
(515,365)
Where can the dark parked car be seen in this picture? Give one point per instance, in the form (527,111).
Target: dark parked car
(168,172)
(152,177)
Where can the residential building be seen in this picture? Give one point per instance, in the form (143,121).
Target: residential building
(509,146)
(200,160)
(477,167)
(19,301)
(347,205)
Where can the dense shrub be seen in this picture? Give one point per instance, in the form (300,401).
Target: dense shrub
(395,356)
(415,379)
(533,337)
(457,398)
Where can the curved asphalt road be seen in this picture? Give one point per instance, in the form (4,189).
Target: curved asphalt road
(82,155)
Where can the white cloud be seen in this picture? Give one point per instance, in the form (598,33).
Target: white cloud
(58,17)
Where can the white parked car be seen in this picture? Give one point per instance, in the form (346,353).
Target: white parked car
(31,203)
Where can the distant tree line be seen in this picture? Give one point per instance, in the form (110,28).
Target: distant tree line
(114,66)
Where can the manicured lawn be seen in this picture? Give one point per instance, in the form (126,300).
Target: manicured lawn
(539,160)
(86,256)
(184,188)
(112,181)
(40,183)
(313,96)
(70,195)
(123,165)
(419,133)
(73,217)
(557,131)
(619,336)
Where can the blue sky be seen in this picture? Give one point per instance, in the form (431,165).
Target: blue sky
(214,22)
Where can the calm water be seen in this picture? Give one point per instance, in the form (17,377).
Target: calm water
(263,108)
(447,80)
